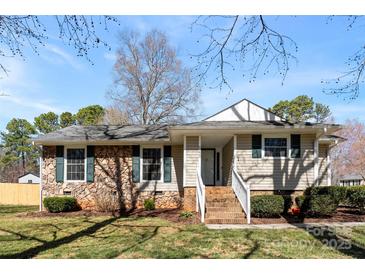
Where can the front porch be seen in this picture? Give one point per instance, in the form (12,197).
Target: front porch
(221,196)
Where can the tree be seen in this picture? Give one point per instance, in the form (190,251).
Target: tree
(79,32)
(67,119)
(16,141)
(46,122)
(152,85)
(321,113)
(301,108)
(348,157)
(90,115)
(253,47)
(114,116)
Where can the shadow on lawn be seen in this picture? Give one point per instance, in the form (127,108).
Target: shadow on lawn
(46,245)
(328,236)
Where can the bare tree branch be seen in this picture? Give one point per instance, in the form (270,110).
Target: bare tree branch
(240,41)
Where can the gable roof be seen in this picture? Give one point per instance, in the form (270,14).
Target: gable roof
(245,110)
(28,173)
(99,133)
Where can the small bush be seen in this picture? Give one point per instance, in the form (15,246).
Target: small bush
(339,193)
(149,204)
(60,204)
(106,201)
(186,214)
(356,197)
(300,202)
(317,205)
(267,205)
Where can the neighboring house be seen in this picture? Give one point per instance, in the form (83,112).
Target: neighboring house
(29,178)
(351,180)
(210,165)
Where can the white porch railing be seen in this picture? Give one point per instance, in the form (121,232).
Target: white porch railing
(242,191)
(200,195)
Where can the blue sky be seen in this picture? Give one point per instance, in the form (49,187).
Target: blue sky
(57,80)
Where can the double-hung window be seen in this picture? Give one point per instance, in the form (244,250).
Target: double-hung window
(276,147)
(75,168)
(151,164)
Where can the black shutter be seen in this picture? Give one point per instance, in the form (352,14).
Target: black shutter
(167,164)
(295,145)
(256,146)
(90,164)
(135,164)
(59,164)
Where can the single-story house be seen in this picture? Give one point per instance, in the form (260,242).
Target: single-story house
(29,178)
(351,180)
(213,166)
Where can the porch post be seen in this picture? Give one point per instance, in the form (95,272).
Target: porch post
(235,152)
(40,176)
(329,171)
(316,167)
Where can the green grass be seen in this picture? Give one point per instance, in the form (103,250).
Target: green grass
(13,209)
(108,237)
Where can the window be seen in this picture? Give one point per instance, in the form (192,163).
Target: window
(151,164)
(275,147)
(75,169)
(295,145)
(30,181)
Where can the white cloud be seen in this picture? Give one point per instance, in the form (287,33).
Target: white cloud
(111,56)
(59,56)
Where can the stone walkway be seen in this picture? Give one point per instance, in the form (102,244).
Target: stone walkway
(283,226)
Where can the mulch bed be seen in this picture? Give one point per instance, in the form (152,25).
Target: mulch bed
(343,214)
(172,215)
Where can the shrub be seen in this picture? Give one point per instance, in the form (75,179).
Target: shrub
(301,202)
(288,202)
(106,201)
(267,205)
(317,205)
(186,214)
(356,197)
(337,192)
(60,204)
(149,204)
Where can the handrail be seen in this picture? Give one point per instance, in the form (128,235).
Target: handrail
(200,196)
(242,191)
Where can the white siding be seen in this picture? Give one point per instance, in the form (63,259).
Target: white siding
(278,173)
(323,165)
(26,178)
(192,153)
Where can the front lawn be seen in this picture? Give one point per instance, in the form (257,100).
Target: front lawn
(154,237)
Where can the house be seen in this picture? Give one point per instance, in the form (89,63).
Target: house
(213,166)
(29,178)
(351,180)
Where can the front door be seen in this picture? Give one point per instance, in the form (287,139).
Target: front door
(207,166)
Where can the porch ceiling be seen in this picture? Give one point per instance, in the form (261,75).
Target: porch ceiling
(215,141)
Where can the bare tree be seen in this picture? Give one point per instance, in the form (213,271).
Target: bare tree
(241,40)
(348,157)
(152,85)
(115,116)
(79,32)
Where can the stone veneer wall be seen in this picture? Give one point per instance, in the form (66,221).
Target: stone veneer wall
(112,176)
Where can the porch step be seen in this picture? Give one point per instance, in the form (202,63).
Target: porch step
(224,215)
(223,207)
(235,221)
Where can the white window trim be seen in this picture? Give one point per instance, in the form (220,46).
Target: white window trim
(65,163)
(276,135)
(141,163)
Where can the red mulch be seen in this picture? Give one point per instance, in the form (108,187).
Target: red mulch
(172,215)
(342,214)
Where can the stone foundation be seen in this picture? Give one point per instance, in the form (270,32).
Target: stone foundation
(112,180)
(189,198)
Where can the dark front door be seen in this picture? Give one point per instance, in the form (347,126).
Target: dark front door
(207,166)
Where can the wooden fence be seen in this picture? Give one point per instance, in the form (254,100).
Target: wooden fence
(19,194)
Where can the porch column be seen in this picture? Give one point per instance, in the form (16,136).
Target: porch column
(316,166)
(235,152)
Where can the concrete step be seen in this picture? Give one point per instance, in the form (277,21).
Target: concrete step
(218,190)
(226,221)
(220,196)
(222,200)
(224,215)
(224,209)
